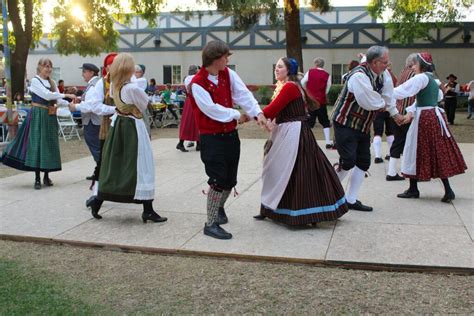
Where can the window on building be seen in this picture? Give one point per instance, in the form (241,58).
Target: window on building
(337,71)
(172,74)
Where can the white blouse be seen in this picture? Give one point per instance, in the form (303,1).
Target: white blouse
(42,90)
(240,96)
(94,101)
(133,94)
(412,86)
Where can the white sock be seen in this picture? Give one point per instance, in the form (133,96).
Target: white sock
(390,142)
(378,146)
(392,166)
(327,135)
(355,183)
(341,174)
(95,188)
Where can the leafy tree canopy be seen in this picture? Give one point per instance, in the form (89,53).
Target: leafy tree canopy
(412,19)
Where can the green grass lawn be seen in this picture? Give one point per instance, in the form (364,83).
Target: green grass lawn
(22,292)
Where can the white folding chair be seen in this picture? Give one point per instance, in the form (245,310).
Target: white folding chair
(68,128)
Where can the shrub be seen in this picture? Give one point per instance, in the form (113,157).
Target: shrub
(264,94)
(334,93)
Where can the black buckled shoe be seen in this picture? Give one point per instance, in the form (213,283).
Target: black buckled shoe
(358,206)
(394,178)
(259,217)
(89,201)
(378,160)
(448,197)
(191,144)
(221,216)
(409,194)
(216,231)
(95,205)
(154,217)
(90,178)
(329,146)
(47,182)
(37,184)
(181,147)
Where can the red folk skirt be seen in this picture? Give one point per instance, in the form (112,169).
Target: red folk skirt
(437,156)
(188,129)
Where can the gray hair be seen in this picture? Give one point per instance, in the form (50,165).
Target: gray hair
(375,52)
(319,62)
(411,60)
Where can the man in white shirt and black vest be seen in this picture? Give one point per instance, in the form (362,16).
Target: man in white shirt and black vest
(368,89)
(214,91)
(90,121)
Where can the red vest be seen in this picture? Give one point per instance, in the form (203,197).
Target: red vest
(220,94)
(317,84)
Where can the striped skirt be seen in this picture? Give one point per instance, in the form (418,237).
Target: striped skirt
(313,192)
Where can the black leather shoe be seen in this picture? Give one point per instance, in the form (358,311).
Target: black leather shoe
(394,178)
(469,116)
(358,206)
(154,217)
(387,157)
(47,182)
(409,194)
(328,146)
(190,145)
(216,231)
(221,216)
(37,184)
(181,147)
(89,201)
(95,207)
(90,178)
(448,197)
(378,160)
(259,217)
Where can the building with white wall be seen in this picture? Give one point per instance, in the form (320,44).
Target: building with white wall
(168,49)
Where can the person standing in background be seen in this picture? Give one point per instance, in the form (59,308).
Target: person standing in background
(317,83)
(188,128)
(470,99)
(450,97)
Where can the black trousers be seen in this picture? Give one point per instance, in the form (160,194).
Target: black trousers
(353,147)
(400,133)
(383,122)
(450,107)
(321,114)
(220,154)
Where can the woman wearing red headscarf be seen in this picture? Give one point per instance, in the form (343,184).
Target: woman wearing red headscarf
(430,149)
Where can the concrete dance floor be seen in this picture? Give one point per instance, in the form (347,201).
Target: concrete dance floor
(413,234)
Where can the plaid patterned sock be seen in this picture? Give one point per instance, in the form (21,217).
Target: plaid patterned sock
(225,196)
(213,199)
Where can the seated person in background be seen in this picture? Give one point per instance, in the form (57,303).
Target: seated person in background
(151,89)
(155,98)
(166,99)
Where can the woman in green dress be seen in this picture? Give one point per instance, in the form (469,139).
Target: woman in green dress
(127,173)
(36,145)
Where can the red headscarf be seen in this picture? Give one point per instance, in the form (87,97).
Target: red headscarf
(108,60)
(426,57)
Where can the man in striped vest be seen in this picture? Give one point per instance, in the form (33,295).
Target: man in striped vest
(400,132)
(368,89)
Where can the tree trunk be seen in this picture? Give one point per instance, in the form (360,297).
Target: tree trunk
(18,69)
(293,31)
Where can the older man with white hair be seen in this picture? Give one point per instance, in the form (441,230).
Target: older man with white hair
(368,89)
